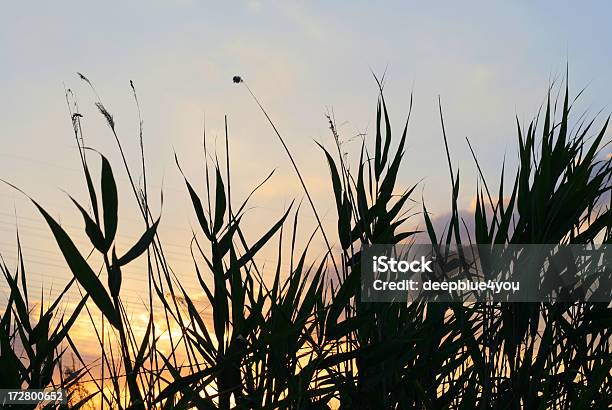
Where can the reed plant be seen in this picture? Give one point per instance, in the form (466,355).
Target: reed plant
(302,338)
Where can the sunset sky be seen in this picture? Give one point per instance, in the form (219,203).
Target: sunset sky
(488,62)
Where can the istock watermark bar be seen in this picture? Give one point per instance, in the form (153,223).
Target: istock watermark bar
(486,273)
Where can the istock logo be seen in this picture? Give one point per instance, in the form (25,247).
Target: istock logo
(386,264)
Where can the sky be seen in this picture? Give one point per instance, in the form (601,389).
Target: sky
(488,62)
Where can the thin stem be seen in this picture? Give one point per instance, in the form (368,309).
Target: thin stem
(297,171)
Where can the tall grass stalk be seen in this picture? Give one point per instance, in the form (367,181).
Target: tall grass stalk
(302,339)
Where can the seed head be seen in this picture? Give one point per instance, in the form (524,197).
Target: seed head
(237,79)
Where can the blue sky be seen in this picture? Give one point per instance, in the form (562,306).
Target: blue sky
(488,61)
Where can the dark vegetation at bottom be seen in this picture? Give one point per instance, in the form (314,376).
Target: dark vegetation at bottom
(302,340)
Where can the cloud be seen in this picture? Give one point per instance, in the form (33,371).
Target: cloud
(309,25)
(254,5)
